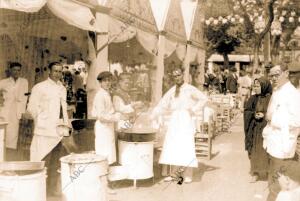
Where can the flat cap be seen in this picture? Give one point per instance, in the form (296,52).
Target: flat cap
(103,75)
(294,66)
(275,70)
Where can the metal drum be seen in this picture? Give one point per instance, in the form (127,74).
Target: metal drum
(22,181)
(84,177)
(136,152)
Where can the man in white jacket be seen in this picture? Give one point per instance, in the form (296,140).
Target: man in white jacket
(47,105)
(280,134)
(14,89)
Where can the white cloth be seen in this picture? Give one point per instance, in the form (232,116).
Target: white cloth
(75,14)
(14,105)
(291,195)
(179,144)
(44,105)
(103,110)
(280,134)
(24,6)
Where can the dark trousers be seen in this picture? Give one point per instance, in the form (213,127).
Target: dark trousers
(53,164)
(276,166)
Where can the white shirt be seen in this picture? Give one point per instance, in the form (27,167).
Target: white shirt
(44,105)
(14,96)
(280,134)
(291,195)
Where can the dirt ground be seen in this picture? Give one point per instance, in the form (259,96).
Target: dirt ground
(223,178)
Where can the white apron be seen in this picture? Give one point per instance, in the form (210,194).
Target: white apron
(179,144)
(41,146)
(105,141)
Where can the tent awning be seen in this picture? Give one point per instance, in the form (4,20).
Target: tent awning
(233,58)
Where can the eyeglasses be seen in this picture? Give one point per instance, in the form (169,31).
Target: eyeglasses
(177,75)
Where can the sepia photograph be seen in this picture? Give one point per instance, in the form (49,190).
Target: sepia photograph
(149,100)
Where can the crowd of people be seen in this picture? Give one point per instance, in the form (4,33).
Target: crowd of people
(271,120)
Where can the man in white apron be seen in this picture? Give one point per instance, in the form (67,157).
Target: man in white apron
(46,104)
(183,101)
(14,91)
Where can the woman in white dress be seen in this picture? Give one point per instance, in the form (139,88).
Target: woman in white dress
(182,101)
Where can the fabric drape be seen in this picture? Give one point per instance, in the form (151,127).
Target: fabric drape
(23,5)
(74,14)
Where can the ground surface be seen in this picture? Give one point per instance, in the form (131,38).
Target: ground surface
(223,178)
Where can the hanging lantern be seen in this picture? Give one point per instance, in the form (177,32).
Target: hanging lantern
(215,22)
(291,19)
(283,13)
(259,25)
(281,19)
(276,28)
(293,13)
(224,21)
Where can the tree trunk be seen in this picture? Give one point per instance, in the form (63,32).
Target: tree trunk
(255,58)
(226,60)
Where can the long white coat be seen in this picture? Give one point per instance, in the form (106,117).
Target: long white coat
(14,106)
(44,105)
(106,116)
(179,144)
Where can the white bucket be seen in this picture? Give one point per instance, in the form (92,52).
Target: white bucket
(84,177)
(31,187)
(137,158)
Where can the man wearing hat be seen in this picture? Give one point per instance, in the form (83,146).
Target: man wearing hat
(280,134)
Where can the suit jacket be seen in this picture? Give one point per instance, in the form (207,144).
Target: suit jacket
(232,83)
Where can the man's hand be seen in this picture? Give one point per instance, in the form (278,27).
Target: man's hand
(259,115)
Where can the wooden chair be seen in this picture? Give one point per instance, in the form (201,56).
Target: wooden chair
(203,141)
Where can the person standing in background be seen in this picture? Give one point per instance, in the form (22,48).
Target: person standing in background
(232,81)
(254,123)
(14,89)
(244,83)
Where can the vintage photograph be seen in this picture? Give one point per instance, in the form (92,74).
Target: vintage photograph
(149,100)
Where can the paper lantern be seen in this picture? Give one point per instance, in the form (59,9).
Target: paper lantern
(283,13)
(281,19)
(291,19)
(293,13)
(224,21)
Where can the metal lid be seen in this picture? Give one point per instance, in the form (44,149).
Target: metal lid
(83,158)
